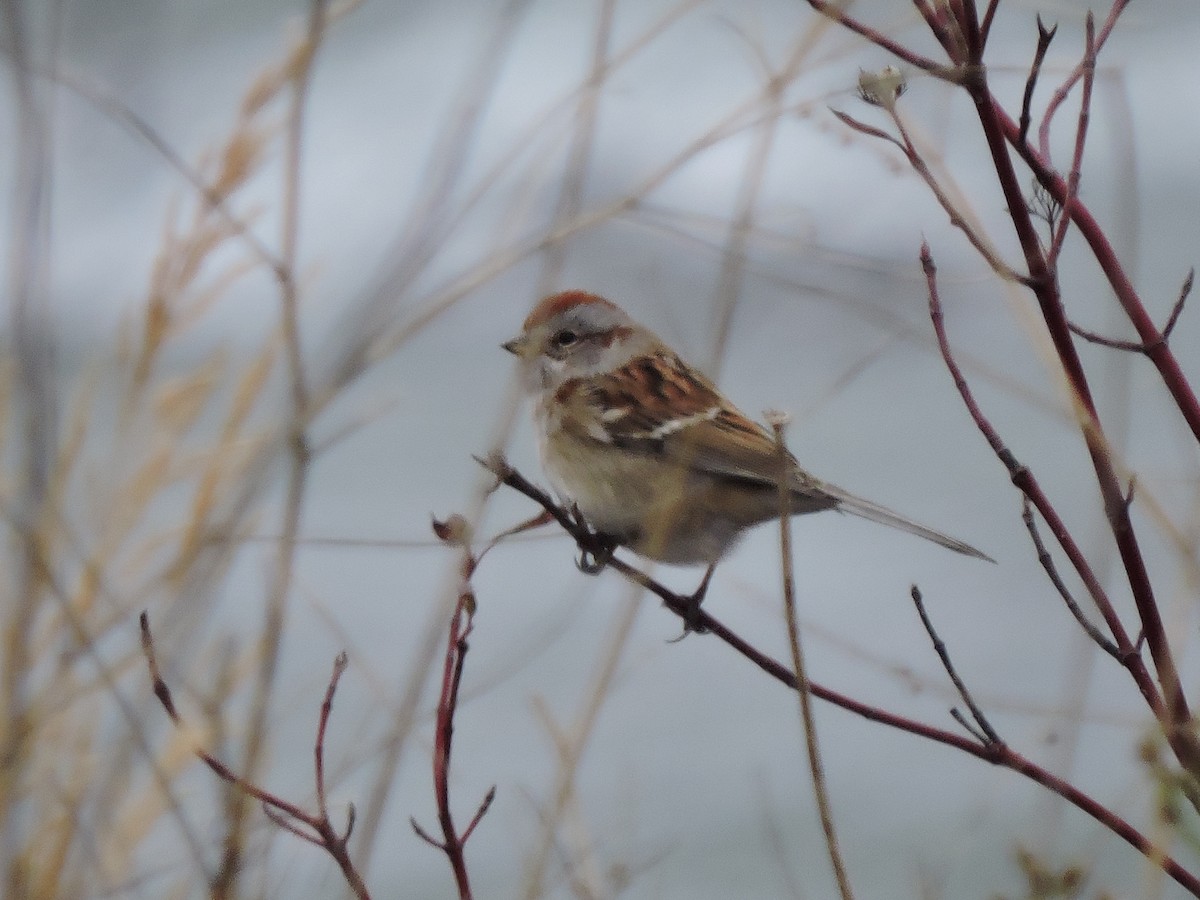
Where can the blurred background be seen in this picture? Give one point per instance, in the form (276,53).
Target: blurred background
(454,162)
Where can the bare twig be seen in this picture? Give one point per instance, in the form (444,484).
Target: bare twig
(1167,710)
(1051,570)
(1171,372)
(969,726)
(315,828)
(1140,346)
(1177,309)
(981,722)
(945,24)
(915,159)
(1085,110)
(1045,287)
(1064,89)
(452,843)
(339,666)
(834,11)
(1093,337)
(989,14)
(981,245)
(815,766)
(1045,36)
(997,754)
(1025,481)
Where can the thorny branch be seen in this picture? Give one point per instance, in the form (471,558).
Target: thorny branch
(599,547)
(315,828)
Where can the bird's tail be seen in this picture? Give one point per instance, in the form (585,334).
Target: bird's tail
(847,502)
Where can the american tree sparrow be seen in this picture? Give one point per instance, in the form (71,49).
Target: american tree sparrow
(649,451)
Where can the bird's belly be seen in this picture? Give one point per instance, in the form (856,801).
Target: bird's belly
(661,512)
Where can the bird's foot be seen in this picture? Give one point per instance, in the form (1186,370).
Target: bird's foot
(594,552)
(592,560)
(692,618)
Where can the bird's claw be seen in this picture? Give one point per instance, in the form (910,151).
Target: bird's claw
(692,623)
(592,560)
(595,553)
(691,612)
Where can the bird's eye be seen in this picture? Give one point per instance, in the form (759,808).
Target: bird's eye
(565,338)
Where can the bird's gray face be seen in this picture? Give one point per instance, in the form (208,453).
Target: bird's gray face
(580,341)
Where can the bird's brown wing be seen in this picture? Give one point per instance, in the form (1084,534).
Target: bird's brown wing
(659,405)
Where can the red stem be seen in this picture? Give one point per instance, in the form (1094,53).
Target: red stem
(275,807)
(456,646)
(835,12)
(996,753)
(1025,481)
(1156,346)
(1044,283)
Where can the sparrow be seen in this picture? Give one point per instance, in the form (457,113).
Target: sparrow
(649,451)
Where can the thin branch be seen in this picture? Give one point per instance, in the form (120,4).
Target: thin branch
(1045,36)
(1172,374)
(1093,337)
(1139,346)
(989,14)
(339,666)
(286,815)
(968,17)
(999,266)
(454,531)
(1051,570)
(869,130)
(1085,110)
(815,767)
(834,11)
(1064,89)
(425,835)
(1044,284)
(944,25)
(1177,309)
(479,813)
(996,754)
(1168,711)
(287,825)
(981,721)
(921,167)
(1025,481)
(957,715)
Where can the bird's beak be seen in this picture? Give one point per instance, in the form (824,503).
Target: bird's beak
(516,346)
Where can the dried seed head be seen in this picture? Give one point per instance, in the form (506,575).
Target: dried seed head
(454,529)
(881,88)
